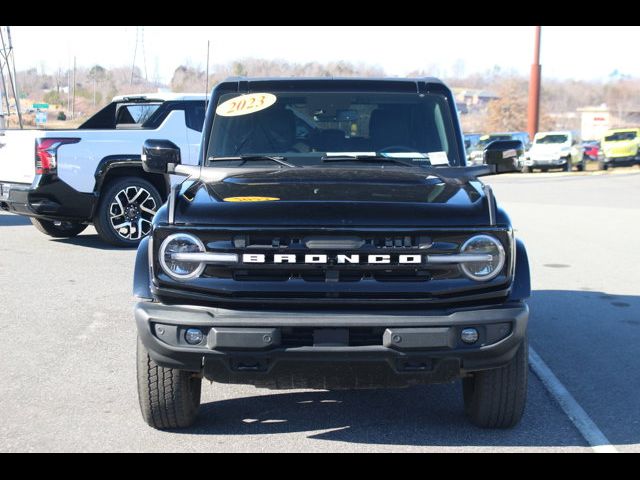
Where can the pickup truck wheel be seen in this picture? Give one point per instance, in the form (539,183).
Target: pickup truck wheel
(496,398)
(568,166)
(58,229)
(126,210)
(168,398)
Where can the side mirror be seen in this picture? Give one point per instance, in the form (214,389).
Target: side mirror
(160,156)
(505,155)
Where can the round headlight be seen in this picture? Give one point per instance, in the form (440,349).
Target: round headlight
(483,245)
(179,269)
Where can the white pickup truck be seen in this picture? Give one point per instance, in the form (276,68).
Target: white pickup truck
(65,180)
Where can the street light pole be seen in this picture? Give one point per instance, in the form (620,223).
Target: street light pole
(534,89)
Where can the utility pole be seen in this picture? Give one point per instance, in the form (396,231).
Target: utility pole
(8,59)
(533,111)
(206,78)
(12,77)
(73,101)
(5,92)
(69,86)
(135,50)
(139,40)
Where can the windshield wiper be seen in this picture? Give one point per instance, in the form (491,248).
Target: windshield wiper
(366,159)
(250,158)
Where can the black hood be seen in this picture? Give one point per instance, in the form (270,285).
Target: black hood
(334,197)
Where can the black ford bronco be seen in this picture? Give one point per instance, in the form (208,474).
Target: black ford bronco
(332,237)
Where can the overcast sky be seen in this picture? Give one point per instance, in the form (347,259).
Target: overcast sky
(566,52)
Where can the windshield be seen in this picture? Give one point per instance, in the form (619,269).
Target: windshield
(305,127)
(484,141)
(471,141)
(619,136)
(552,139)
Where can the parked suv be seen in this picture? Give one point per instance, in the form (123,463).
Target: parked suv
(621,146)
(365,255)
(552,150)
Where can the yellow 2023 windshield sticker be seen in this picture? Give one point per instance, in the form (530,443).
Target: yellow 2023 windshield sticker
(245,104)
(250,199)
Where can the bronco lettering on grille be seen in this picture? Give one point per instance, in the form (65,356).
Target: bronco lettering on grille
(324,258)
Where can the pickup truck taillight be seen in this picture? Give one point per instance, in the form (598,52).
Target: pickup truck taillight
(46,151)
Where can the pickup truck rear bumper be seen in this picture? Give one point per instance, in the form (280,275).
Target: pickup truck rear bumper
(318,349)
(47,197)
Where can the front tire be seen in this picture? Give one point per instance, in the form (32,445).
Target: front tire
(127,207)
(169,398)
(602,165)
(58,229)
(568,167)
(496,398)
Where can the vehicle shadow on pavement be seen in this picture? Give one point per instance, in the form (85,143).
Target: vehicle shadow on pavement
(418,416)
(90,241)
(13,220)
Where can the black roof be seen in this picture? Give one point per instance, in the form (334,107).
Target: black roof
(330,83)
(333,79)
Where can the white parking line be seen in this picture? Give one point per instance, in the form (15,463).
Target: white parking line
(589,430)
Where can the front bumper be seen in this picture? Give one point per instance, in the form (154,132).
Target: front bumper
(625,160)
(48,197)
(545,162)
(268,348)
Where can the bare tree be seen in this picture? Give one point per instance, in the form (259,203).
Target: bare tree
(509,111)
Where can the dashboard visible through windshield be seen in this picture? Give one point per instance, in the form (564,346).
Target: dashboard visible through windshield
(306,127)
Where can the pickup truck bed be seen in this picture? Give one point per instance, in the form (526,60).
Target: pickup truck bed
(56,176)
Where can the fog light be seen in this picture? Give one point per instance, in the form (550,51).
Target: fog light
(469,335)
(193,336)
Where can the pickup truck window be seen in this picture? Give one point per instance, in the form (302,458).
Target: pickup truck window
(121,115)
(144,115)
(194,112)
(134,115)
(304,127)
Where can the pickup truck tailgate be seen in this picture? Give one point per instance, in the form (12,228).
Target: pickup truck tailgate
(17,154)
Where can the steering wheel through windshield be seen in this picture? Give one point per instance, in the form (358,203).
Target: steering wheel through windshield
(396,148)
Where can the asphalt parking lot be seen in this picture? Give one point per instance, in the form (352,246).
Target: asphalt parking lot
(67,338)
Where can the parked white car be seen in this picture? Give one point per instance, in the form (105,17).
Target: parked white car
(65,180)
(561,149)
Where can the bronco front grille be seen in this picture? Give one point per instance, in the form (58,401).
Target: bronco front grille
(333,279)
(331,246)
